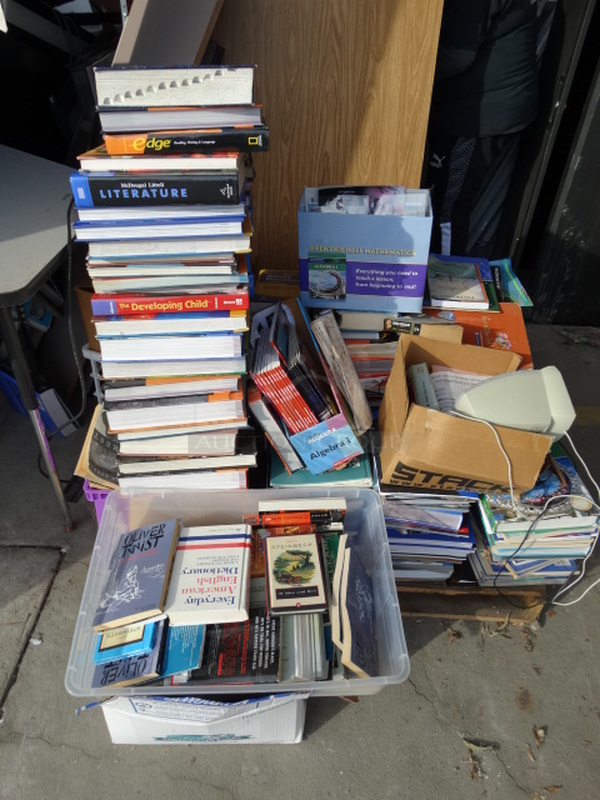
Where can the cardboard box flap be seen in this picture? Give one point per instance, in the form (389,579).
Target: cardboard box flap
(467,357)
(439,451)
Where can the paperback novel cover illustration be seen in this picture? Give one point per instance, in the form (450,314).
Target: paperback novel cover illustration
(138,575)
(294,574)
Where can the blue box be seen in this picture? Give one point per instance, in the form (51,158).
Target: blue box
(9,386)
(364,261)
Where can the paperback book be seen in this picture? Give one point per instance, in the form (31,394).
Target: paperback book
(131,670)
(455,282)
(138,575)
(130,640)
(294,574)
(357,605)
(184,646)
(211,573)
(242,652)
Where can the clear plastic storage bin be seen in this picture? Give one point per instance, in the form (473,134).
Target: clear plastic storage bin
(367,534)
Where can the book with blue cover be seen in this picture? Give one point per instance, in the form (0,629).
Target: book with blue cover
(137,575)
(360,652)
(91,190)
(131,670)
(183,649)
(370,254)
(355,473)
(129,640)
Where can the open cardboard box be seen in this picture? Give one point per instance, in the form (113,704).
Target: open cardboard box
(423,448)
(195,720)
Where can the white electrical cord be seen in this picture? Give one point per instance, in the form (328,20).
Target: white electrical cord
(567,586)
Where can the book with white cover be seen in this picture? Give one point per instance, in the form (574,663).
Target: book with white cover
(179,430)
(220,480)
(174,348)
(154,325)
(130,415)
(114,370)
(210,443)
(210,577)
(148,390)
(303,504)
(98,160)
(185,85)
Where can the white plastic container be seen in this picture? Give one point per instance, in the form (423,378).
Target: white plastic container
(367,533)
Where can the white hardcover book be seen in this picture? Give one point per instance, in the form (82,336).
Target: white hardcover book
(217,480)
(161,86)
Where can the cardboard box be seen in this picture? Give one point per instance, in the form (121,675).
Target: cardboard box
(194,720)
(84,298)
(367,262)
(424,448)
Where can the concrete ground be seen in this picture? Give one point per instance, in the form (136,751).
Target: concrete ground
(485,713)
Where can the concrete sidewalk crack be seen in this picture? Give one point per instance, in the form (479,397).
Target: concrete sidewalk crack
(444,719)
(511,776)
(35,619)
(450,724)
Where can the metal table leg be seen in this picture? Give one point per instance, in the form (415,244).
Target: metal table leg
(28,396)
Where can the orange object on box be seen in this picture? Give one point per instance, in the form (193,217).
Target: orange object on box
(504,330)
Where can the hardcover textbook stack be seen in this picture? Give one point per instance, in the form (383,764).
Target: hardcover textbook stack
(429,533)
(539,538)
(164,206)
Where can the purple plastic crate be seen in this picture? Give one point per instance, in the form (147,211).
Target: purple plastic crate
(97,497)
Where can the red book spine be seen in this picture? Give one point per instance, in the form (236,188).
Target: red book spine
(296,413)
(105,305)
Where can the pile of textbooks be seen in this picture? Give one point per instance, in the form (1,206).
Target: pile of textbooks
(280,596)
(429,533)
(164,205)
(541,537)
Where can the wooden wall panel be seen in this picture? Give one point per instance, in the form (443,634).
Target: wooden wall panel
(345,87)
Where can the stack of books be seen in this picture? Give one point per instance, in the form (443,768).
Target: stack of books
(164,205)
(541,537)
(429,534)
(372,339)
(281,596)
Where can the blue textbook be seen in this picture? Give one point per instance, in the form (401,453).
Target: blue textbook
(130,640)
(130,670)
